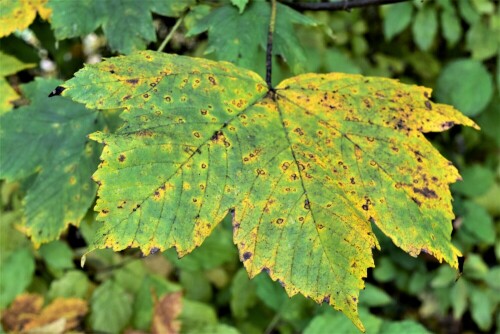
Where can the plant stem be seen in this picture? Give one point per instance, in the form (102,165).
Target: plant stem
(269,50)
(171,33)
(338,5)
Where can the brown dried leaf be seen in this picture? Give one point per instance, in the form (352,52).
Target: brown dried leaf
(167,309)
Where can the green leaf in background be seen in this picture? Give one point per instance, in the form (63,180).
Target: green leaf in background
(127,25)
(337,61)
(172,8)
(238,38)
(48,137)
(143,303)
(17,272)
(459,297)
(477,180)
(385,270)
(482,41)
(425,27)
(111,308)
(374,296)
(9,65)
(196,316)
(57,256)
(490,117)
(243,294)
(406,326)
(493,277)
(481,308)
(445,277)
(479,223)
(241,4)
(465,84)
(10,238)
(452,28)
(475,267)
(330,322)
(397,17)
(468,12)
(73,284)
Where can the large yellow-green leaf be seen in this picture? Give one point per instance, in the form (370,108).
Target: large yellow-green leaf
(47,139)
(19,14)
(305,170)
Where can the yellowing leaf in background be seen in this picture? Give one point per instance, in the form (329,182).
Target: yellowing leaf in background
(19,14)
(304,169)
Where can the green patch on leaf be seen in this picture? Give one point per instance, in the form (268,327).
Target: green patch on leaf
(305,170)
(47,138)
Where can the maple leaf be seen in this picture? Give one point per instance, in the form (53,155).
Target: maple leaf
(305,169)
(53,147)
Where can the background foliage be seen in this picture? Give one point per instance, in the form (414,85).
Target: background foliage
(452,46)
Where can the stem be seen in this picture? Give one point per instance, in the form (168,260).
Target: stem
(339,5)
(171,33)
(269,50)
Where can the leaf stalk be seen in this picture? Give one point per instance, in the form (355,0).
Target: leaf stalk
(338,5)
(171,33)
(269,49)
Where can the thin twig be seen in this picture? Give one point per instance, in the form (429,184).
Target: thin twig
(171,33)
(269,49)
(338,5)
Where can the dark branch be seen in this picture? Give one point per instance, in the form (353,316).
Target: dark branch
(338,5)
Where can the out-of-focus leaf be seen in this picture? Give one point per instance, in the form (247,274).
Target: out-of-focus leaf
(406,326)
(243,295)
(480,307)
(330,322)
(196,286)
(465,84)
(24,307)
(19,14)
(374,296)
(452,28)
(9,65)
(130,276)
(127,25)
(49,137)
(490,118)
(111,308)
(425,27)
(17,273)
(397,17)
(10,238)
(58,257)
(483,6)
(458,298)
(214,329)
(241,4)
(196,316)
(468,12)
(385,270)
(445,277)
(482,41)
(479,223)
(336,61)
(238,37)
(493,278)
(475,267)
(72,310)
(166,312)
(152,285)
(173,8)
(477,179)
(73,284)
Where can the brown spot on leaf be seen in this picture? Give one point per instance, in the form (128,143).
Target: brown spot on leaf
(426,192)
(121,158)
(212,80)
(307,204)
(428,105)
(133,81)
(247,255)
(416,201)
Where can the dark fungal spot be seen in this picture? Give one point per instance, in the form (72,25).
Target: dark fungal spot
(416,201)
(212,80)
(447,125)
(112,72)
(168,98)
(146,95)
(266,270)
(365,207)
(426,192)
(121,158)
(57,91)
(126,97)
(216,135)
(352,181)
(307,204)
(247,255)
(426,94)
(279,221)
(152,84)
(104,211)
(428,105)
(326,299)
(133,81)
(154,250)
